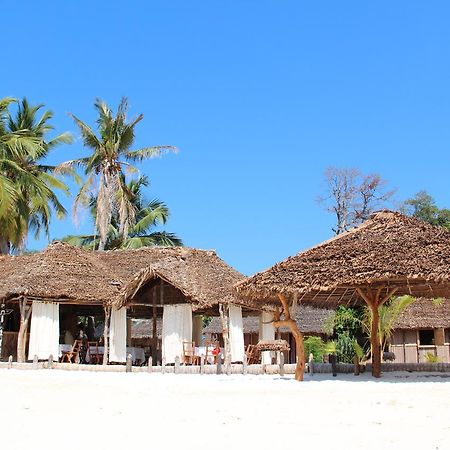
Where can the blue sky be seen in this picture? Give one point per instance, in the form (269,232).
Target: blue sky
(260,97)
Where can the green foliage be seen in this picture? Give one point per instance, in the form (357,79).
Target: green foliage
(316,346)
(432,358)
(389,314)
(27,197)
(148,214)
(106,168)
(345,319)
(206,320)
(331,348)
(359,351)
(345,346)
(423,206)
(439,301)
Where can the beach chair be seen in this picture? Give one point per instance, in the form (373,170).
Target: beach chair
(73,356)
(253,354)
(95,357)
(189,356)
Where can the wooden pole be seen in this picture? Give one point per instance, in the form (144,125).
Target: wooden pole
(154,331)
(373,300)
(298,335)
(223,311)
(106,335)
(21,338)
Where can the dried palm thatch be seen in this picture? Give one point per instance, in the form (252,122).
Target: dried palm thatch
(66,273)
(201,276)
(311,321)
(279,345)
(388,251)
(425,313)
(61,272)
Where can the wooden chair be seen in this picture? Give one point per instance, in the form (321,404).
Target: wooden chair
(253,354)
(73,355)
(189,356)
(95,357)
(211,351)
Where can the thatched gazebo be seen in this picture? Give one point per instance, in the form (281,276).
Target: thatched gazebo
(389,254)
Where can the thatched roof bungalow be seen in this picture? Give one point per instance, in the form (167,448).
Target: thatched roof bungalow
(144,280)
(386,255)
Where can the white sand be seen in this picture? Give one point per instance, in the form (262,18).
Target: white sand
(72,410)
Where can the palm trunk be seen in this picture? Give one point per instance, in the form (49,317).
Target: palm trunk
(21,338)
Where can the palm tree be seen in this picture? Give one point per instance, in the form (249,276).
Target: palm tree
(148,215)
(111,154)
(26,184)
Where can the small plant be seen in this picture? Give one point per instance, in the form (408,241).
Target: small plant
(432,358)
(345,348)
(439,301)
(316,346)
(331,348)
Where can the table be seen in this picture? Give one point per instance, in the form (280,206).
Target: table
(137,353)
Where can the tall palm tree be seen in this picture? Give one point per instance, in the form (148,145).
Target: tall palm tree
(105,167)
(148,215)
(27,198)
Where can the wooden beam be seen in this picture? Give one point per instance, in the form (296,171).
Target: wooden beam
(154,330)
(298,336)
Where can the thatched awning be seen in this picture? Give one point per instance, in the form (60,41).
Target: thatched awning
(388,251)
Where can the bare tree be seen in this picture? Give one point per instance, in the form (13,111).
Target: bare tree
(352,196)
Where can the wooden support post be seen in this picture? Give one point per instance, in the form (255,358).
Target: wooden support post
(129,363)
(219,364)
(50,362)
(223,311)
(375,341)
(202,364)
(298,335)
(311,364)
(150,364)
(154,328)
(228,369)
(35,362)
(333,361)
(356,362)
(281,364)
(244,365)
(373,300)
(24,320)
(106,335)
(163,365)
(176,368)
(10,362)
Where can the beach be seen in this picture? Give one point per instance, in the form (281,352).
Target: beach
(83,410)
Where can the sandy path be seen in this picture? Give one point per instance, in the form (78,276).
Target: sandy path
(70,410)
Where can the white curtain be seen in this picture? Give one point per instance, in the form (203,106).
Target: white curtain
(176,328)
(236,331)
(44,333)
(118,335)
(266,333)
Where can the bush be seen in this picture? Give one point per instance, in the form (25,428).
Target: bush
(345,348)
(316,346)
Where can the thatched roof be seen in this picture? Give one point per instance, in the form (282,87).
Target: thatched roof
(61,272)
(72,274)
(388,250)
(425,313)
(200,275)
(310,321)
